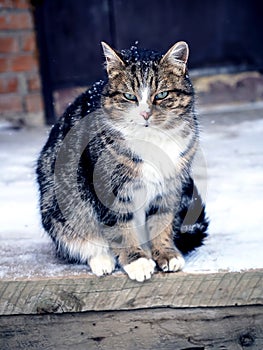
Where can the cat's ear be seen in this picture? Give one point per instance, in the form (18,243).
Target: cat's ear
(112,58)
(179,53)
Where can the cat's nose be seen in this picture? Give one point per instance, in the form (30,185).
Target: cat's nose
(145,115)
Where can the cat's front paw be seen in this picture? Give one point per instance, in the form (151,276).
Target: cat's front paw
(140,270)
(170,262)
(174,264)
(102,264)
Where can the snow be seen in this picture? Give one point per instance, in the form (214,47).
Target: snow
(234,154)
(232,146)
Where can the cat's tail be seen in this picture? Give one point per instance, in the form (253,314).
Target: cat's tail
(190,223)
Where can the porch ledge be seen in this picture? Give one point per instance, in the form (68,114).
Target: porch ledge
(117,292)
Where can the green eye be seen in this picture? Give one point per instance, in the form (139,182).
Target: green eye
(130,97)
(161,95)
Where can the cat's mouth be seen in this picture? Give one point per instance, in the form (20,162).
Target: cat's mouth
(146,124)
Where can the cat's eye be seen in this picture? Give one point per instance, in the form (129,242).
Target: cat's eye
(161,95)
(130,97)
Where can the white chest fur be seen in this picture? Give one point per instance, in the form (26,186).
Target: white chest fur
(159,148)
(160,152)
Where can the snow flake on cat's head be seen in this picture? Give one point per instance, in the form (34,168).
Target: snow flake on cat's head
(139,56)
(135,53)
(94,94)
(99,83)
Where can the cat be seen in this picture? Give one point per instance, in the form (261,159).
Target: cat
(115,173)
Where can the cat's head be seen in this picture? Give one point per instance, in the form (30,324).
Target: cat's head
(146,88)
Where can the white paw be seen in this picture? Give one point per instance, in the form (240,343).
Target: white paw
(102,264)
(140,270)
(174,264)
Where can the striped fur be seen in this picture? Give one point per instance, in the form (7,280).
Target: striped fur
(114,175)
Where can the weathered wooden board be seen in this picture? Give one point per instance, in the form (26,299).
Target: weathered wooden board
(232,328)
(117,292)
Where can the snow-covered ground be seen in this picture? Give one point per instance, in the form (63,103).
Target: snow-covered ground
(232,148)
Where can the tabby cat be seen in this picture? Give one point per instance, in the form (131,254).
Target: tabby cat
(115,174)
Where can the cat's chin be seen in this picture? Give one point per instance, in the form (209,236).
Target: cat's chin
(138,125)
(144,125)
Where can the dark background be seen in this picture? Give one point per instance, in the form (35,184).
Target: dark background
(220,33)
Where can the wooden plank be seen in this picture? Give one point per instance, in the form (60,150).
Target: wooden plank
(232,328)
(117,292)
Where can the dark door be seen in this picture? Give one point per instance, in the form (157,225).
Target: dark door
(219,32)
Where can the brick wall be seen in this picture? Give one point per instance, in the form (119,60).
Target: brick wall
(20,85)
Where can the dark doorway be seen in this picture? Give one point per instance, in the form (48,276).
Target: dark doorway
(220,33)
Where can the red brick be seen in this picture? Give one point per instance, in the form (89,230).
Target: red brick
(28,42)
(34,83)
(10,104)
(8,84)
(16,21)
(4,65)
(8,44)
(34,103)
(19,4)
(23,63)
(6,4)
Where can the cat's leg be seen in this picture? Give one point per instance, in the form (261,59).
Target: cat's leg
(134,258)
(102,264)
(101,259)
(90,250)
(164,252)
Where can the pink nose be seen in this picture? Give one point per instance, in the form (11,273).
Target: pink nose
(145,115)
